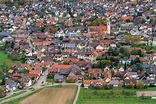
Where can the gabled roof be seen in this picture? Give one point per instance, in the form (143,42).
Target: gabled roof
(95,71)
(94,82)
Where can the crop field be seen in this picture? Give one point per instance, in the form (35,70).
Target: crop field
(64,95)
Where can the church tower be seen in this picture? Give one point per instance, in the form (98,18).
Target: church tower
(108,26)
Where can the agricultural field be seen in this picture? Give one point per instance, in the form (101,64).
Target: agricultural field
(114,96)
(64,95)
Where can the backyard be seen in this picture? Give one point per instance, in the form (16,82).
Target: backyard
(114,96)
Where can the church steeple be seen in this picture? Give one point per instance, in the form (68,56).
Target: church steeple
(108,26)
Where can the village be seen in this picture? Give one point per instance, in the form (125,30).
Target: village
(99,44)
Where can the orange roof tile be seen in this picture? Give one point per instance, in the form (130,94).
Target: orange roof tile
(38,72)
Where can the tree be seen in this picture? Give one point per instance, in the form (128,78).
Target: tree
(128,38)
(140,84)
(112,72)
(121,50)
(125,66)
(100,58)
(138,72)
(2,92)
(137,60)
(14,56)
(136,39)
(3,81)
(53,30)
(26,71)
(70,80)
(1,73)
(131,84)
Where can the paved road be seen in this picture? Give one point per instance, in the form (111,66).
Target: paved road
(43,78)
(29,42)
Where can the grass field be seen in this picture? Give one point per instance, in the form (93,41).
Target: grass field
(115,96)
(16,94)
(49,95)
(8,62)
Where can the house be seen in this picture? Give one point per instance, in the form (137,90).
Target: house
(115,83)
(68,23)
(65,54)
(58,57)
(58,78)
(37,72)
(100,47)
(107,75)
(88,83)
(127,81)
(96,54)
(145,60)
(71,61)
(74,70)
(94,73)
(75,78)
(55,68)
(59,34)
(154,41)
(11,71)
(69,45)
(133,57)
(27,81)
(11,85)
(123,61)
(129,75)
(84,65)
(118,75)
(144,75)
(126,18)
(121,69)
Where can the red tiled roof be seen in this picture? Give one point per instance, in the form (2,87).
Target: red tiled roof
(71,60)
(61,66)
(93,82)
(10,71)
(124,18)
(94,71)
(38,72)
(107,74)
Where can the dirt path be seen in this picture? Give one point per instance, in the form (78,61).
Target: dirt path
(64,95)
(146,93)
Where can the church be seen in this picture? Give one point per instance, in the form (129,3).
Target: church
(99,31)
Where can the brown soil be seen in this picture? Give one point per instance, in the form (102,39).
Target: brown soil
(64,95)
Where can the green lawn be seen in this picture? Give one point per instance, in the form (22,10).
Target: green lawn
(3,57)
(16,94)
(115,96)
(154,47)
(50,80)
(8,62)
